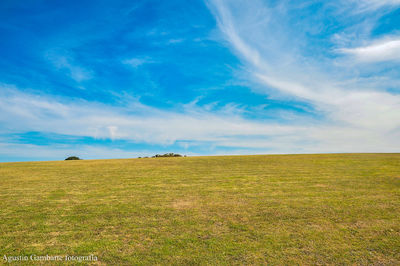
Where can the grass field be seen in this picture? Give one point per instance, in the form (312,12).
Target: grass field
(292,209)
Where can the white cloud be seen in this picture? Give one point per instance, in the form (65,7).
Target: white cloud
(385,50)
(175,41)
(67,63)
(136,62)
(113,131)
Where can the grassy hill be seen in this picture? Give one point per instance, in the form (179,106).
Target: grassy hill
(304,209)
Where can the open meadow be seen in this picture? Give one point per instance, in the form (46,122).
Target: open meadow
(276,209)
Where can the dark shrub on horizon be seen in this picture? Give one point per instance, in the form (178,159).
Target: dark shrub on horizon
(72,158)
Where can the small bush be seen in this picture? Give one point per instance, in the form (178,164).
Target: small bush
(72,158)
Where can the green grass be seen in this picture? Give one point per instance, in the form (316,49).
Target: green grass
(284,209)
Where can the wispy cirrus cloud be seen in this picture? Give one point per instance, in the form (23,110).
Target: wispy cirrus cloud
(64,62)
(297,74)
(138,61)
(379,51)
(370,5)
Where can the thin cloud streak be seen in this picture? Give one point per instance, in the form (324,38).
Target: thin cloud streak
(386,50)
(371,5)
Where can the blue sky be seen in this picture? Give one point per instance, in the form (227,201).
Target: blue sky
(122,79)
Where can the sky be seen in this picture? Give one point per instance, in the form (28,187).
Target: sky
(122,79)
